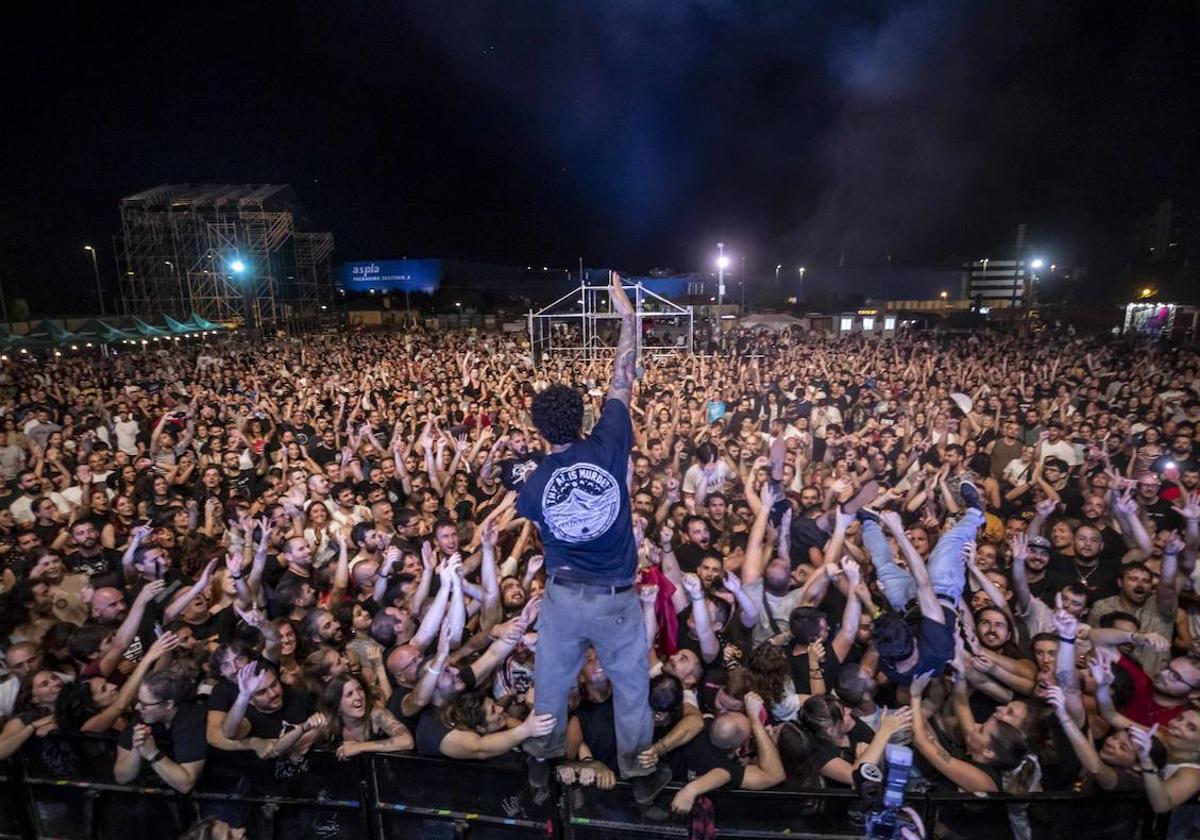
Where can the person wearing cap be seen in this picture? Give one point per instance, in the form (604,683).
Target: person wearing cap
(1042,583)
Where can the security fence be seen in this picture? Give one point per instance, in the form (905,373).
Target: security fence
(67,791)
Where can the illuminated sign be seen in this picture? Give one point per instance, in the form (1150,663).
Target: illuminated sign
(391,276)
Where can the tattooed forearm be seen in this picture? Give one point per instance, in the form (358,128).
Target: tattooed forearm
(624,362)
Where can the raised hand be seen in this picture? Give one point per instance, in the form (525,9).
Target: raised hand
(1055,697)
(1064,623)
(149,591)
(535,726)
(1191,511)
(1158,643)
(853,572)
(1046,507)
(1018,546)
(1100,668)
(968,549)
(1143,742)
(891,520)
(252,617)
(897,720)
(1126,504)
(529,613)
(648,593)
(919,683)
(754,705)
(390,558)
(165,643)
(616,291)
(732,583)
(489,533)
(693,587)
(250,679)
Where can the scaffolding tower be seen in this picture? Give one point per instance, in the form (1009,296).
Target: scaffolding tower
(179,245)
(582,325)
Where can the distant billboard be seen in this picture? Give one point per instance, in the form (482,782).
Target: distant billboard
(391,276)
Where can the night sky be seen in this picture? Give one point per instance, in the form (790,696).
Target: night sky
(629,132)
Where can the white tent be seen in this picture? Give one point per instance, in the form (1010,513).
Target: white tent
(770,321)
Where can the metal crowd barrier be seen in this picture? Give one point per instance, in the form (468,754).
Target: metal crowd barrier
(68,791)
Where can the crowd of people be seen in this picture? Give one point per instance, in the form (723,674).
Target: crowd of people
(982,546)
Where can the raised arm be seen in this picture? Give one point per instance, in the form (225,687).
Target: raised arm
(755,561)
(625,361)
(710,647)
(966,776)
(931,607)
(844,640)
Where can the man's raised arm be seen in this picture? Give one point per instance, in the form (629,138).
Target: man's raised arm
(626,358)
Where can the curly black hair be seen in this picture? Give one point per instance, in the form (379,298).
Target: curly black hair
(74,706)
(558,414)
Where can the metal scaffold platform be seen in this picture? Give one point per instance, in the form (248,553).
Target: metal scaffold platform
(582,326)
(229,253)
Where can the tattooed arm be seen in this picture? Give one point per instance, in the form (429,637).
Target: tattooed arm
(623,364)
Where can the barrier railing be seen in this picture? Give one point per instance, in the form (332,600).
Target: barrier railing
(67,791)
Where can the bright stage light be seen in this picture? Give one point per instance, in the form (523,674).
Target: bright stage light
(237,266)
(1038,263)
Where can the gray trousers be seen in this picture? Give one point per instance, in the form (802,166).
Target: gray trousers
(568,623)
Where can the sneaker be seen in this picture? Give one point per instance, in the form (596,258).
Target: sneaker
(867,515)
(653,813)
(539,773)
(970,495)
(646,788)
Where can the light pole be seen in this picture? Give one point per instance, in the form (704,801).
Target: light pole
(777,275)
(96,270)
(1035,265)
(238,268)
(800,290)
(722,264)
(742,283)
(179,285)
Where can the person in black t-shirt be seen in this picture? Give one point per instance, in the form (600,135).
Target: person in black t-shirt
(169,739)
(710,760)
(264,709)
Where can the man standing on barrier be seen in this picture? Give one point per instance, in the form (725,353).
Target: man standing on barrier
(579,499)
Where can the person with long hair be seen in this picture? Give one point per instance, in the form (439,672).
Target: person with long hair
(840,743)
(33,713)
(117,532)
(1000,747)
(473,726)
(354,720)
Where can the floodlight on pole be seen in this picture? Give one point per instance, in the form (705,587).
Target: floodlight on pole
(96,271)
(722,264)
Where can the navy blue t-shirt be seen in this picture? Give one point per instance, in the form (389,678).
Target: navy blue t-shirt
(580,501)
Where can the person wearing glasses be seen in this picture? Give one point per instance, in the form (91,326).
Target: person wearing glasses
(1173,691)
(167,739)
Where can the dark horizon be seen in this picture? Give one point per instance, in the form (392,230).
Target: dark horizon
(630,135)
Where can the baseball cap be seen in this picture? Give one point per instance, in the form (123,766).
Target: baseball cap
(1039,542)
